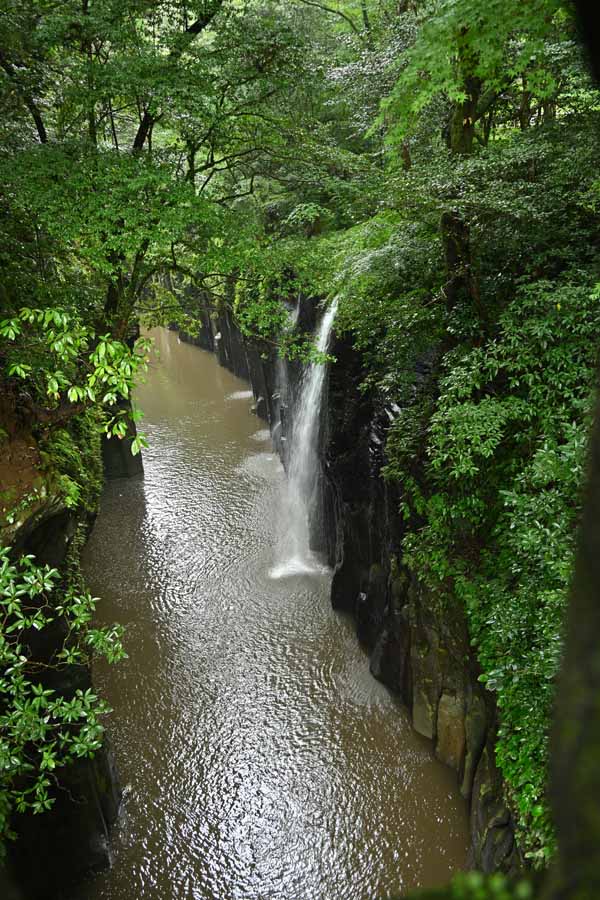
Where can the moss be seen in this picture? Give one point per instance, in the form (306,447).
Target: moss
(475,886)
(72,461)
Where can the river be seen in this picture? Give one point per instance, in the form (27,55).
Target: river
(260,758)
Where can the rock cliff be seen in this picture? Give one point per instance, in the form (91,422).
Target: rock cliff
(72,837)
(418,647)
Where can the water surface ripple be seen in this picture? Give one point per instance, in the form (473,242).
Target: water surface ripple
(261,758)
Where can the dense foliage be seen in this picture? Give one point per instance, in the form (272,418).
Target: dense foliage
(459,231)
(433,163)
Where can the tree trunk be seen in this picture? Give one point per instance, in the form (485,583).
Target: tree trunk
(462,284)
(462,126)
(525,111)
(575,757)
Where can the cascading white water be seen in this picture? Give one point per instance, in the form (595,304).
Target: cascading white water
(294,552)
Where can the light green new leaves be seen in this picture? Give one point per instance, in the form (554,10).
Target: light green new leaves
(80,367)
(501,39)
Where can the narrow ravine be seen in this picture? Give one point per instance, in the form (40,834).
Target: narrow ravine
(260,758)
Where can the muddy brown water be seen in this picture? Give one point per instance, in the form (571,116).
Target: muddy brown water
(260,758)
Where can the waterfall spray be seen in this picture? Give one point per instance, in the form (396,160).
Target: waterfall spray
(295,554)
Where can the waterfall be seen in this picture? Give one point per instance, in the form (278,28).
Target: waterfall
(294,553)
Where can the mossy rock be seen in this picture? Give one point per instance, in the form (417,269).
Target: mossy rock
(475,886)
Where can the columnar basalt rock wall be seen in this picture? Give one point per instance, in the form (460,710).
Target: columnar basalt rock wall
(255,363)
(418,646)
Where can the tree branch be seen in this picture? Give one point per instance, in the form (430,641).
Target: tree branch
(247,193)
(184,40)
(487,100)
(27,99)
(336,12)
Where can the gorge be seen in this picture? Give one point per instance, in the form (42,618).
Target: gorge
(338,564)
(260,756)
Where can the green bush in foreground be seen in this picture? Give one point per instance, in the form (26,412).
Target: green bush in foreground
(42,730)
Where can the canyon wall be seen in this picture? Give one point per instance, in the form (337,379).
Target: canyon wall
(58,848)
(417,646)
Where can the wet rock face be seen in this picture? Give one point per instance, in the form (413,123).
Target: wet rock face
(230,347)
(419,648)
(218,332)
(492,829)
(307,313)
(117,459)
(71,839)
(200,307)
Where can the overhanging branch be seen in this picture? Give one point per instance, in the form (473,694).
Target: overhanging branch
(336,12)
(183,42)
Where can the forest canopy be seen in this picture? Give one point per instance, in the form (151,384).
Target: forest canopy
(433,164)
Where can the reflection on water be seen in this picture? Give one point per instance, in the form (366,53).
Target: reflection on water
(240,395)
(262,759)
(263,435)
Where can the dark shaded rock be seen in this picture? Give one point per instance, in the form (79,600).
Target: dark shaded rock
(476,730)
(258,369)
(9,888)
(307,313)
(390,658)
(229,344)
(492,830)
(371,608)
(419,647)
(72,837)
(47,535)
(117,458)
